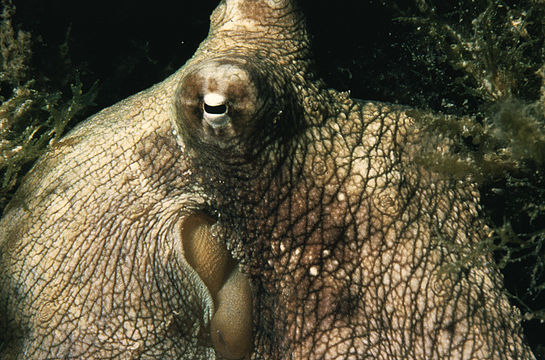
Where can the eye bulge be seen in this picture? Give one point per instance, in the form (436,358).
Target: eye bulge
(220,102)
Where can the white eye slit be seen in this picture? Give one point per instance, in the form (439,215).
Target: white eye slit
(214,110)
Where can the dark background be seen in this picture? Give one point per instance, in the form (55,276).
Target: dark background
(128,46)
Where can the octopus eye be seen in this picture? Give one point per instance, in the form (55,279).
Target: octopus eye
(219,102)
(214,110)
(225,104)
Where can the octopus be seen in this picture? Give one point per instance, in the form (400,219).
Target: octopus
(241,209)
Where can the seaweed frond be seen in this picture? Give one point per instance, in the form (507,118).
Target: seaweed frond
(497,50)
(31,115)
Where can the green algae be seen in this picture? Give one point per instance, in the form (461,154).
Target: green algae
(32,116)
(496,48)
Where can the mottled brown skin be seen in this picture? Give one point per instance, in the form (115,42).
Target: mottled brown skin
(340,237)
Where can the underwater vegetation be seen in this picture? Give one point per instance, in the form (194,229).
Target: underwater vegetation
(496,50)
(35,109)
(474,69)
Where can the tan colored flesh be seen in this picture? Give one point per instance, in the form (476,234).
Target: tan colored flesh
(204,253)
(231,324)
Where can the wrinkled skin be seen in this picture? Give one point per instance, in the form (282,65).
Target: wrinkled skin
(240,209)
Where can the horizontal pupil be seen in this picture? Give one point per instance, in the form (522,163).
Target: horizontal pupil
(216,110)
